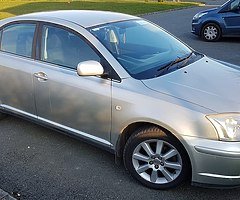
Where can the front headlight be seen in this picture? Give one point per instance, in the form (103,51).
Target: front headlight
(199,15)
(227,125)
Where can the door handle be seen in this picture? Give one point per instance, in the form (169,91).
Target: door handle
(41,76)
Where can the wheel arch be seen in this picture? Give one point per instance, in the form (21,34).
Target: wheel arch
(131,128)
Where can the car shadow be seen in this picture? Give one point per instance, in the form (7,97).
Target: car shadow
(230,39)
(197,38)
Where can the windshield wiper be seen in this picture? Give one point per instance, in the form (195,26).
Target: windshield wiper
(177,60)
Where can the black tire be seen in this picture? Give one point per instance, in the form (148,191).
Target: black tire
(211,32)
(151,135)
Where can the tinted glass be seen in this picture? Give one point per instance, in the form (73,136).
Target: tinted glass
(234,5)
(18,39)
(62,47)
(141,47)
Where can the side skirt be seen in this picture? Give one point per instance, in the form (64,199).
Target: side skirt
(93,140)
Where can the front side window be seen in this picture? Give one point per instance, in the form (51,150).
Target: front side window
(18,39)
(142,48)
(63,47)
(234,5)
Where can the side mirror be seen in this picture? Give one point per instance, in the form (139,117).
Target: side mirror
(89,68)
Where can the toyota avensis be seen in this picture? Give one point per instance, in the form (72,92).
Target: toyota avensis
(127,85)
(215,23)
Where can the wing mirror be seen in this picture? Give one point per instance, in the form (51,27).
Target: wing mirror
(89,68)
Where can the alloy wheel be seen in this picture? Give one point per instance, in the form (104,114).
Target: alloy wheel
(157,161)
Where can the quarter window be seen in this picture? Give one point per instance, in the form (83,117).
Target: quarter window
(18,39)
(63,47)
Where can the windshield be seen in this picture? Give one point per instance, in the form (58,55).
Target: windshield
(140,47)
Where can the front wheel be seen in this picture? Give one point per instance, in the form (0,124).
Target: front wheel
(155,159)
(211,32)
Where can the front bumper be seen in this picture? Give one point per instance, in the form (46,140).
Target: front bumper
(196,27)
(215,163)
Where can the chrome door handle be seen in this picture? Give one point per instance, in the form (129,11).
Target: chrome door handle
(41,76)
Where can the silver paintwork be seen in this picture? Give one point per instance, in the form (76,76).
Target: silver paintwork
(219,176)
(82,103)
(213,161)
(148,166)
(16,82)
(59,126)
(89,68)
(100,110)
(217,152)
(84,18)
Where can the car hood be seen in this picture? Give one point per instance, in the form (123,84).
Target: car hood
(210,10)
(206,82)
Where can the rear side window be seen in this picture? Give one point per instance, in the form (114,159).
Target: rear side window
(18,39)
(62,47)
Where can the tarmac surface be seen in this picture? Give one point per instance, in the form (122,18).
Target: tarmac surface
(179,24)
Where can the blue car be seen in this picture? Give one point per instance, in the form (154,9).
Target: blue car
(219,22)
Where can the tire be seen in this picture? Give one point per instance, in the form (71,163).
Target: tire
(211,32)
(156,159)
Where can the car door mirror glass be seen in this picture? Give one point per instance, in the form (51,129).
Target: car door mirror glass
(89,68)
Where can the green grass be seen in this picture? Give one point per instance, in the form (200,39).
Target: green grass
(10,8)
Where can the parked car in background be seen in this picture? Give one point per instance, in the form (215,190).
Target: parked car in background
(127,85)
(215,23)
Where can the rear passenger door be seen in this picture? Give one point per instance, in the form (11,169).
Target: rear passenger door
(81,105)
(16,53)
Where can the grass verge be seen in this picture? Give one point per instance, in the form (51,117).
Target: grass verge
(10,8)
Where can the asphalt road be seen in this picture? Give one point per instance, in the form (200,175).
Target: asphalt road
(179,24)
(39,163)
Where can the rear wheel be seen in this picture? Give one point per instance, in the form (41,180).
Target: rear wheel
(155,159)
(211,32)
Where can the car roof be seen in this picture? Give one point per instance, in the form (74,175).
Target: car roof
(84,18)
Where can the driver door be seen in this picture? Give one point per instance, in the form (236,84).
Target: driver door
(80,105)
(232,18)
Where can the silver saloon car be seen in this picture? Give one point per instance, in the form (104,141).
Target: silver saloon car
(127,85)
